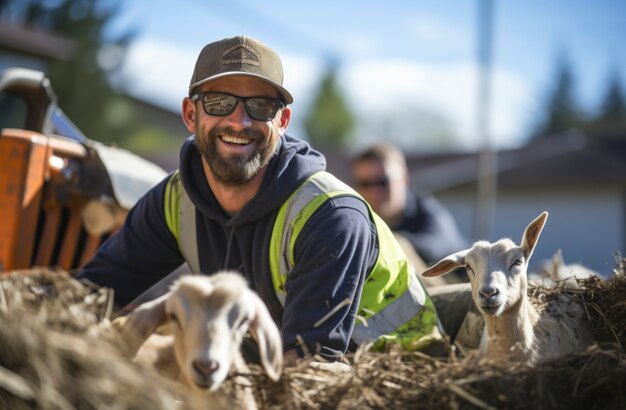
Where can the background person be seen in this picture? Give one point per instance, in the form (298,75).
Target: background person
(425,229)
(381,176)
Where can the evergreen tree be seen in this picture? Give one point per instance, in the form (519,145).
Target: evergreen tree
(82,83)
(562,112)
(613,109)
(611,116)
(329,121)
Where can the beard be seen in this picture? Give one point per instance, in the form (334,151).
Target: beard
(236,169)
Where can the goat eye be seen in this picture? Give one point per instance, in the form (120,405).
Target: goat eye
(173,319)
(469,269)
(517,263)
(243,323)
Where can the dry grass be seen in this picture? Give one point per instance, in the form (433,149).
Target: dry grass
(53,358)
(401,380)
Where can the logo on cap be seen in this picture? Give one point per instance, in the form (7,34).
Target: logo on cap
(241,54)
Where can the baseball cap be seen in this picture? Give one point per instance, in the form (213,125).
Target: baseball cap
(240,55)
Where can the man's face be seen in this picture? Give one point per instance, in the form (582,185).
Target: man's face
(384,189)
(236,147)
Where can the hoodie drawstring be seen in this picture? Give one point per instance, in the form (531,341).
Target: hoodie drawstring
(231,235)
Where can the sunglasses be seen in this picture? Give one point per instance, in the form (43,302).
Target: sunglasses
(382,182)
(223,104)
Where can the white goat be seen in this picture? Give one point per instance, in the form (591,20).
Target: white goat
(555,271)
(208,316)
(514,328)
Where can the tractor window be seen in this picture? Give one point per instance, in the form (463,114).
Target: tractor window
(13,111)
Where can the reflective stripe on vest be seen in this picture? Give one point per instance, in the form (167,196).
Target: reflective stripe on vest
(393,316)
(180,215)
(291,218)
(394,306)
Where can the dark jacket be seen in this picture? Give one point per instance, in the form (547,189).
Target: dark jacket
(430,228)
(333,253)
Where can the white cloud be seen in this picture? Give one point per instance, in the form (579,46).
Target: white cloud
(378,88)
(159,72)
(434,97)
(301,75)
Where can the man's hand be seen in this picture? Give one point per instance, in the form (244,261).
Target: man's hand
(291,357)
(334,367)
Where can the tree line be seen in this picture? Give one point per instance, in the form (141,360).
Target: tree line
(563,111)
(82,83)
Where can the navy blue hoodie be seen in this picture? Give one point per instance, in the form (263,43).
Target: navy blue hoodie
(333,253)
(430,228)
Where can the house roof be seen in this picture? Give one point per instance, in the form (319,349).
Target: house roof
(568,158)
(34,42)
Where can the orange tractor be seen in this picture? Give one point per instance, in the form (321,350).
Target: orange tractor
(61,194)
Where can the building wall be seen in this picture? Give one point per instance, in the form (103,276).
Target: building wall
(586,223)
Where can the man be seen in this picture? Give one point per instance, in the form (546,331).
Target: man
(426,230)
(381,176)
(251,198)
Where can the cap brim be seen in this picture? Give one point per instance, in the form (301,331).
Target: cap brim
(285,95)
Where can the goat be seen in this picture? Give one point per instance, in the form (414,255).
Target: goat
(208,317)
(514,328)
(555,271)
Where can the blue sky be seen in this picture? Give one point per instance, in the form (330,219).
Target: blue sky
(408,68)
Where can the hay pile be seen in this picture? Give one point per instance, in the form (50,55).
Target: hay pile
(52,356)
(606,305)
(51,333)
(592,379)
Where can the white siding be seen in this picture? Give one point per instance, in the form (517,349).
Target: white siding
(587,224)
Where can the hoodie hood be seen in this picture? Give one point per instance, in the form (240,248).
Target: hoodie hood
(293,162)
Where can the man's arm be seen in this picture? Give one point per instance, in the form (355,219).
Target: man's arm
(139,254)
(333,254)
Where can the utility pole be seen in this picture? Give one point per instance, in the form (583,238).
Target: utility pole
(487,178)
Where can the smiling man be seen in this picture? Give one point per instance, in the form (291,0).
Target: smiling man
(249,197)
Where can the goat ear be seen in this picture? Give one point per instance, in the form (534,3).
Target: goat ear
(267,336)
(447,264)
(148,316)
(134,328)
(531,234)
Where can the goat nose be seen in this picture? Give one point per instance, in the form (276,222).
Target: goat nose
(205,366)
(488,291)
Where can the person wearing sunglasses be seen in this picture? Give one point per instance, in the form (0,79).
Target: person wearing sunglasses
(381,176)
(250,197)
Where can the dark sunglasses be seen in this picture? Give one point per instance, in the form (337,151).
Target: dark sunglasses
(382,182)
(223,104)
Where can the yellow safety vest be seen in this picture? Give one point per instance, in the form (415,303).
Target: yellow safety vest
(394,306)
